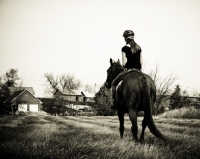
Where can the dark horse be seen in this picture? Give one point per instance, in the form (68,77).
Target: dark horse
(137,92)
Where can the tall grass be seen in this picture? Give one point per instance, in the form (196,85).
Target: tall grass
(43,136)
(185,112)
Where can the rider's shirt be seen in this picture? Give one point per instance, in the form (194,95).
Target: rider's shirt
(133,59)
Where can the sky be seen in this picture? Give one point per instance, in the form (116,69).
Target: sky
(80,37)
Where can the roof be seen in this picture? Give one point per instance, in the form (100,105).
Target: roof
(78,93)
(74,92)
(16,94)
(14,89)
(89,94)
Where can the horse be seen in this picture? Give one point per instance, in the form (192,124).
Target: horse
(136,92)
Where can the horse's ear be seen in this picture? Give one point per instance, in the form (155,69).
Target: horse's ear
(111,61)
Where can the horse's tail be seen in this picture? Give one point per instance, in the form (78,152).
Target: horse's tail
(147,106)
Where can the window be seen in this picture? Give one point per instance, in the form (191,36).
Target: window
(84,99)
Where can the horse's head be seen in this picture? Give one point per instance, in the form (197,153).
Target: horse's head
(112,72)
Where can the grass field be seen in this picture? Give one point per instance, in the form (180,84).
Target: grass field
(44,136)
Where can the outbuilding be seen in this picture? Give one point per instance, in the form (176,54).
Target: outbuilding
(23,99)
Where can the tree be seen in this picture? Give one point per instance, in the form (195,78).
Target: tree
(62,82)
(175,98)
(89,88)
(1,83)
(184,100)
(163,86)
(69,82)
(103,101)
(11,77)
(51,85)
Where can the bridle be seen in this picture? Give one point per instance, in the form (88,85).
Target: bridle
(118,70)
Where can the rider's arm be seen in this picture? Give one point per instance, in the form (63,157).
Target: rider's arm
(141,59)
(123,58)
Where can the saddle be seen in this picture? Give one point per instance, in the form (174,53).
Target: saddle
(126,72)
(131,70)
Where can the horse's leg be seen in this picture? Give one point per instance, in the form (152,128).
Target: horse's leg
(144,124)
(134,128)
(121,123)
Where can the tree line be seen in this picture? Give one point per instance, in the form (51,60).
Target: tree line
(68,83)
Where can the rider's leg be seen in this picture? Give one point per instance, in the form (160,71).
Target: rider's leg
(113,92)
(113,88)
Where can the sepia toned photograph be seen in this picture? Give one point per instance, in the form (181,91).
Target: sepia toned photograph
(99,79)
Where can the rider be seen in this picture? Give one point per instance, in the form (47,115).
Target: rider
(131,59)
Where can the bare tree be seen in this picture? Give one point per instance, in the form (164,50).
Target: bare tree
(67,83)
(89,88)
(154,74)
(163,86)
(52,84)
(195,93)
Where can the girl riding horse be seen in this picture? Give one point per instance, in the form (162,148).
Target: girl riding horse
(131,59)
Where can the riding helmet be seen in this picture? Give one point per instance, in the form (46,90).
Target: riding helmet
(128,33)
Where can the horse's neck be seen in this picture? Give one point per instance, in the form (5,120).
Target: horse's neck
(120,70)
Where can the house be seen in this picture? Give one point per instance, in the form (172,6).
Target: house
(77,96)
(76,100)
(23,99)
(65,102)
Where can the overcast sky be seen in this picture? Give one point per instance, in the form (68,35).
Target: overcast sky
(80,36)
